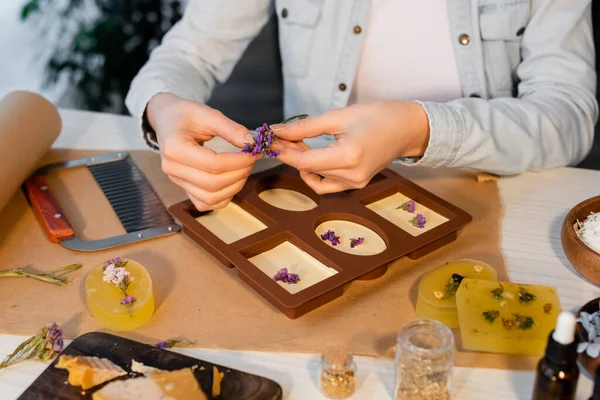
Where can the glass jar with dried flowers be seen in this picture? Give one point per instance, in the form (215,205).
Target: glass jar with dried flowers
(119,294)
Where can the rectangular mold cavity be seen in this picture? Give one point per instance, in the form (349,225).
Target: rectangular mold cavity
(385,205)
(282,252)
(231,223)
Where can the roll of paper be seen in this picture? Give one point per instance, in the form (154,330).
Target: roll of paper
(29,124)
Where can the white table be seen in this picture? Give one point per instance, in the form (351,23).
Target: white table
(535,204)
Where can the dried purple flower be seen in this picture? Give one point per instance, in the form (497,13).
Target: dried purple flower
(330,235)
(263,138)
(115,261)
(418,221)
(128,300)
(356,242)
(409,206)
(43,346)
(162,345)
(286,277)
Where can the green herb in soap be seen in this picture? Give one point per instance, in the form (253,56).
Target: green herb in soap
(453,284)
(491,315)
(525,297)
(518,321)
(497,293)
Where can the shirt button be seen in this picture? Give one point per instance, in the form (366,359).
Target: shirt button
(342,87)
(357,29)
(464,39)
(284,13)
(521,31)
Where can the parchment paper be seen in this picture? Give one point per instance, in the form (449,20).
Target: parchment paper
(29,124)
(198,298)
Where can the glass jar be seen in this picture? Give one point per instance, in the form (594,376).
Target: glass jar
(338,373)
(424,360)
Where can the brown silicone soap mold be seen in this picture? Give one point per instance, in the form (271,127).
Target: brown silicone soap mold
(298,228)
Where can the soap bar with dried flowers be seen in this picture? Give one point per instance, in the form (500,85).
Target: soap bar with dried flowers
(119,294)
(505,317)
(436,299)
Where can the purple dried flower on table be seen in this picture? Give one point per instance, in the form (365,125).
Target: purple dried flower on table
(58,344)
(128,300)
(285,276)
(356,242)
(409,206)
(43,346)
(162,345)
(419,221)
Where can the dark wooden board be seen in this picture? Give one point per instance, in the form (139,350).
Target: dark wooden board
(236,385)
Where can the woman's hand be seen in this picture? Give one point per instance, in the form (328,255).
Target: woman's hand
(368,138)
(210,179)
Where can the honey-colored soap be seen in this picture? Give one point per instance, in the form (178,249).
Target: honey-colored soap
(509,318)
(104,299)
(436,299)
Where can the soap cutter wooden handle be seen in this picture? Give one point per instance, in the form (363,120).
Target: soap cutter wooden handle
(46,208)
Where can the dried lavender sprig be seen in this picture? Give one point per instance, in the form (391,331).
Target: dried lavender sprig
(43,346)
(56,277)
(264,137)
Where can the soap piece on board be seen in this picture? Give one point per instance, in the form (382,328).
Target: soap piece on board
(436,299)
(503,317)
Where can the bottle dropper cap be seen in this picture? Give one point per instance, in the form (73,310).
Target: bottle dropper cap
(562,347)
(565,328)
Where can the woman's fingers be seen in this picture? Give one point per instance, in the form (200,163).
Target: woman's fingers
(324,185)
(201,206)
(184,150)
(326,123)
(334,156)
(205,180)
(209,199)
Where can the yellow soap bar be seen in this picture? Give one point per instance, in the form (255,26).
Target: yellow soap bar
(436,299)
(104,298)
(509,318)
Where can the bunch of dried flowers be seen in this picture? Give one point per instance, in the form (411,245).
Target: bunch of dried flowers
(116,274)
(330,236)
(43,346)
(264,137)
(285,276)
(56,277)
(591,324)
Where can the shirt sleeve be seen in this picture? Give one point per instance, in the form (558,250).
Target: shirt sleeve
(551,121)
(200,51)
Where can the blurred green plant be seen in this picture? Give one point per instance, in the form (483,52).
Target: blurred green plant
(99,44)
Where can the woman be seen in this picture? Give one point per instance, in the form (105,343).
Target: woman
(503,86)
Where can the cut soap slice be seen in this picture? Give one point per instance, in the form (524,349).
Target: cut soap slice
(436,299)
(509,318)
(88,372)
(171,385)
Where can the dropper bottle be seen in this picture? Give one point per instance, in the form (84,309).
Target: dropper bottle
(596,394)
(557,371)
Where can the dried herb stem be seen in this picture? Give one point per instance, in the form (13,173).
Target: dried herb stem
(56,277)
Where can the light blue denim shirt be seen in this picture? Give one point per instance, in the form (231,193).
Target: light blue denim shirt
(527,70)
